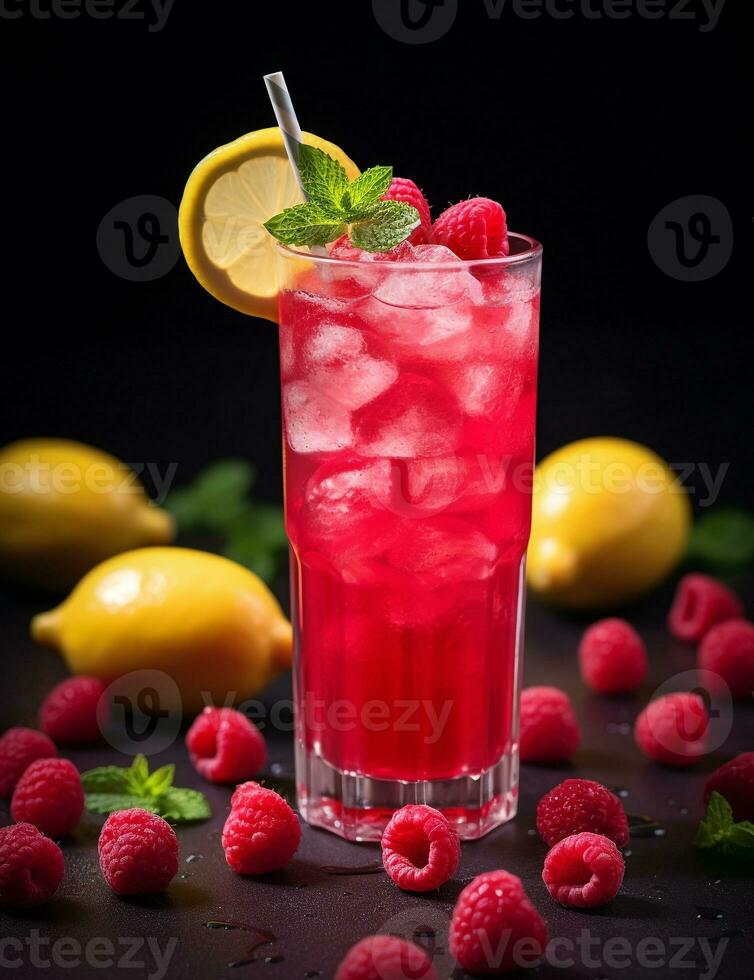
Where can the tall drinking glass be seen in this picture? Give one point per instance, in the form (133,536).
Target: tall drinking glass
(409,398)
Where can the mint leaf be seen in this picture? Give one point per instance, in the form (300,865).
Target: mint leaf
(369,187)
(110,802)
(305,224)
(183,805)
(111,788)
(724,537)
(718,831)
(215,496)
(324,179)
(160,780)
(387,224)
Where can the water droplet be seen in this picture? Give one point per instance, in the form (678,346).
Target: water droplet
(708,913)
(194,857)
(424,932)
(275,958)
(531,832)
(659,891)
(627,852)
(221,924)
(364,869)
(184,875)
(684,811)
(620,791)
(717,881)
(641,826)
(277,769)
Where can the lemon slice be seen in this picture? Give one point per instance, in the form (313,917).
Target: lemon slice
(228,197)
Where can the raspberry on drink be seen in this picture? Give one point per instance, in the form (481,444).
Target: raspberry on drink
(19,747)
(385,958)
(735,781)
(69,712)
(701,602)
(420,850)
(473,229)
(549,730)
(49,795)
(405,190)
(138,852)
(584,870)
(578,805)
(31,867)
(262,832)
(672,729)
(612,657)
(494,927)
(728,650)
(224,746)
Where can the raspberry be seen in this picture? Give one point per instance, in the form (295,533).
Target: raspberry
(19,747)
(138,852)
(549,730)
(735,781)
(700,602)
(576,805)
(31,866)
(385,958)
(584,870)
(69,712)
(673,729)
(473,229)
(50,796)
(403,189)
(224,746)
(612,657)
(262,832)
(420,850)
(728,650)
(494,927)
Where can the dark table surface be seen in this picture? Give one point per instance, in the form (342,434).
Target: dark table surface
(692,913)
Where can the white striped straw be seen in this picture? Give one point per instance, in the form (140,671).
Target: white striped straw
(286,117)
(289,127)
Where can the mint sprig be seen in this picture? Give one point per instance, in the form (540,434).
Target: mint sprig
(111,788)
(724,538)
(336,205)
(718,831)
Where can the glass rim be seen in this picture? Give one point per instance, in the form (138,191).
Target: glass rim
(533,250)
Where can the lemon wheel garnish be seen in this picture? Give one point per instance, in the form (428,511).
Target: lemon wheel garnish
(228,197)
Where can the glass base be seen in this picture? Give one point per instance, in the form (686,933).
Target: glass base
(358,807)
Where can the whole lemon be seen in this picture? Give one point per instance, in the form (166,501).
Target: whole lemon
(65,507)
(610,520)
(209,623)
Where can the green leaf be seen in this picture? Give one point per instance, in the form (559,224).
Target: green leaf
(718,831)
(386,225)
(305,224)
(724,537)
(160,780)
(217,493)
(183,805)
(110,802)
(106,779)
(324,179)
(111,788)
(369,187)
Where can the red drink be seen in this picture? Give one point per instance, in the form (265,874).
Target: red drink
(409,396)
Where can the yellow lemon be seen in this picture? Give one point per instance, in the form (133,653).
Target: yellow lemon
(65,507)
(209,623)
(610,521)
(228,197)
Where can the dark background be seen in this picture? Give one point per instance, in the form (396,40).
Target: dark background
(584,129)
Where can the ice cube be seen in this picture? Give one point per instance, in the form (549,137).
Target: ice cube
(486,388)
(414,417)
(443,549)
(411,287)
(337,362)
(345,493)
(314,422)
